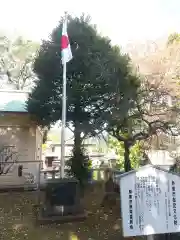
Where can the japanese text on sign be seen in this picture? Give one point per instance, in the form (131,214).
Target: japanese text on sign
(149,202)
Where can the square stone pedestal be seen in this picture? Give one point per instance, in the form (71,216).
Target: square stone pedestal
(62,202)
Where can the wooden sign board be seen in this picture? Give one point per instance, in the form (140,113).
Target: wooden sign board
(150,201)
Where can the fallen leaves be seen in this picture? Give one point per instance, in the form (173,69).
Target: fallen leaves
(17,221)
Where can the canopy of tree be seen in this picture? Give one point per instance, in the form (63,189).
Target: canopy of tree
(156,109)
(98,78)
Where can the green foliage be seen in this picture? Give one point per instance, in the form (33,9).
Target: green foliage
(173,38)
(79,165)
(52,137)
(98,77)
(135,153)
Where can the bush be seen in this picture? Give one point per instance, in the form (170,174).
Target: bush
(79,165)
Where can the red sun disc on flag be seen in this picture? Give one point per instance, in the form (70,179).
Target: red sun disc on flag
(64,42)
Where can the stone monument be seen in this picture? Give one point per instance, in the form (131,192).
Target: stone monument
(62,202)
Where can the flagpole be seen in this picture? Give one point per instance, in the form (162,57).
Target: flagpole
(63,122)
(66,57)
(63,127)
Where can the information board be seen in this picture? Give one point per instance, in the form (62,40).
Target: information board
(150,202)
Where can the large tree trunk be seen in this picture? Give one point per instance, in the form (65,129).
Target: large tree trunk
(77,136)
(77,139)
(77,129)
(127,162)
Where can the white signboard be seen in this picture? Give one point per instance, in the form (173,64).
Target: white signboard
(150,202)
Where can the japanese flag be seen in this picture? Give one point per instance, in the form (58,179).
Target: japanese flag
(65,45)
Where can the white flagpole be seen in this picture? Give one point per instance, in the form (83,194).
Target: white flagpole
(63,139)
(63,122)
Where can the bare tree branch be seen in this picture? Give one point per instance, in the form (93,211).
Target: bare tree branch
(16,61)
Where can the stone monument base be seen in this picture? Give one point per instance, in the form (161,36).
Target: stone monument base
(59,215)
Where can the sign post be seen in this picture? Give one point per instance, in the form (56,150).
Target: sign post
(149,200)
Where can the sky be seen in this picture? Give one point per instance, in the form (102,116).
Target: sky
(123,21)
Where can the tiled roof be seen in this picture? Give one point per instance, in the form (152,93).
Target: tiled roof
(13,101)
